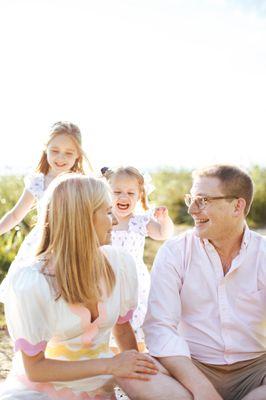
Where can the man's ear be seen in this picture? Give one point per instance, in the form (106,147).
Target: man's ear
(240,206)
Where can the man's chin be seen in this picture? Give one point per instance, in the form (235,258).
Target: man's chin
(200,232)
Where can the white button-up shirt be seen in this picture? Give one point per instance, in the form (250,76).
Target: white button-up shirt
(194,310)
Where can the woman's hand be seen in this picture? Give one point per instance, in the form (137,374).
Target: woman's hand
(133,365)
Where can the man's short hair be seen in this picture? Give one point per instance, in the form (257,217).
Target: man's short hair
(234,181)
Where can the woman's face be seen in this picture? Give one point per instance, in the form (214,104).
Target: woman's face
(103,222)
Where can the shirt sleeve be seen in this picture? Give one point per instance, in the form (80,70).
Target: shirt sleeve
(128,288)
(34,183)
(29,311)
(164,306)
(139,223)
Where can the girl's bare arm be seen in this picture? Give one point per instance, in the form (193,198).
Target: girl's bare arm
(17,213)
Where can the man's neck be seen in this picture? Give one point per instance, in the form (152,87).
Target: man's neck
(229,246)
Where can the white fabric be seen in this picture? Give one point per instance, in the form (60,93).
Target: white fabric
(133,241)
(34,183)
(195,309)
(33,314)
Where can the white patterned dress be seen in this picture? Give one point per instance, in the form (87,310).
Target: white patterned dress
(133,240)
(35,184)
(37,322)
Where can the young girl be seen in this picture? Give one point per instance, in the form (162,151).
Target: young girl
(61,309)
(62,153)
(128,187)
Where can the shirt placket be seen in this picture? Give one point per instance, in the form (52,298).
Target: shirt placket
(222,299)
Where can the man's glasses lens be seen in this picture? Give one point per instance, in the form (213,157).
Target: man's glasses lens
(198,200)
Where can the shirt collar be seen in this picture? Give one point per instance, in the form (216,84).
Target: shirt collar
(245,239)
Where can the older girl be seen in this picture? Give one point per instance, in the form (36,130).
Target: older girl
(62,153)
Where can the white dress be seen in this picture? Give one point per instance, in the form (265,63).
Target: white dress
(133,240)
(35,184)
(37,322)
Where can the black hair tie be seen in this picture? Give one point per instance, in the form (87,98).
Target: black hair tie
(104,170)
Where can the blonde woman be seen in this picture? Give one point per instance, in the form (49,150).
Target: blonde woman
(61,309)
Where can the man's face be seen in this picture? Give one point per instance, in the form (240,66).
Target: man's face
(216,219)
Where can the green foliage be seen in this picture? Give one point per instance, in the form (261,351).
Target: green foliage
(11,187)
(171,185)
(257,215)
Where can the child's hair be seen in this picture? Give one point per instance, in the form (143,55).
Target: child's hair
(66,128)
(131,172)
(69,237)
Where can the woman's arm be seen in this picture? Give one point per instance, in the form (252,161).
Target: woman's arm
(18,212)
(129,364)
(161,228)
(125,337)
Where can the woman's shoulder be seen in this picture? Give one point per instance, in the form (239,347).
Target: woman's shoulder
(29,279)
(117,257)
(114,253)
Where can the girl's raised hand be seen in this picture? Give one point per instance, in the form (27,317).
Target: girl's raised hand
(161,213)
(133,365)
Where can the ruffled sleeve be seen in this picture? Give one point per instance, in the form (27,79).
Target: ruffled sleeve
(128,288)
(34,183)
(29,311)
(139,223)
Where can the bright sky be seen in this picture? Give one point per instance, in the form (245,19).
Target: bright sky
(151,83)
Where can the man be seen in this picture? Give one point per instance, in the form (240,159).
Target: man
(206,320)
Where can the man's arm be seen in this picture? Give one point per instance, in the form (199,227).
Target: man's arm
(164,306)
(162,320)
(185,372)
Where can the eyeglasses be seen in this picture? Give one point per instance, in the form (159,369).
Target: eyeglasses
(202,201)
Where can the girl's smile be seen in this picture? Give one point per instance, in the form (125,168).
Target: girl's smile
(126,194)
(61,154)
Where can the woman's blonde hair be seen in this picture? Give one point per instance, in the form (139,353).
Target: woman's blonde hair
(131,172)
(66,128)
(69,240)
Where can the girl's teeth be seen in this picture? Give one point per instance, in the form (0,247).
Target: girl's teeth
(122,206)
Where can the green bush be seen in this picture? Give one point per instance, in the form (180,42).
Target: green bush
(170,187)
(11,187)
(257,215)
